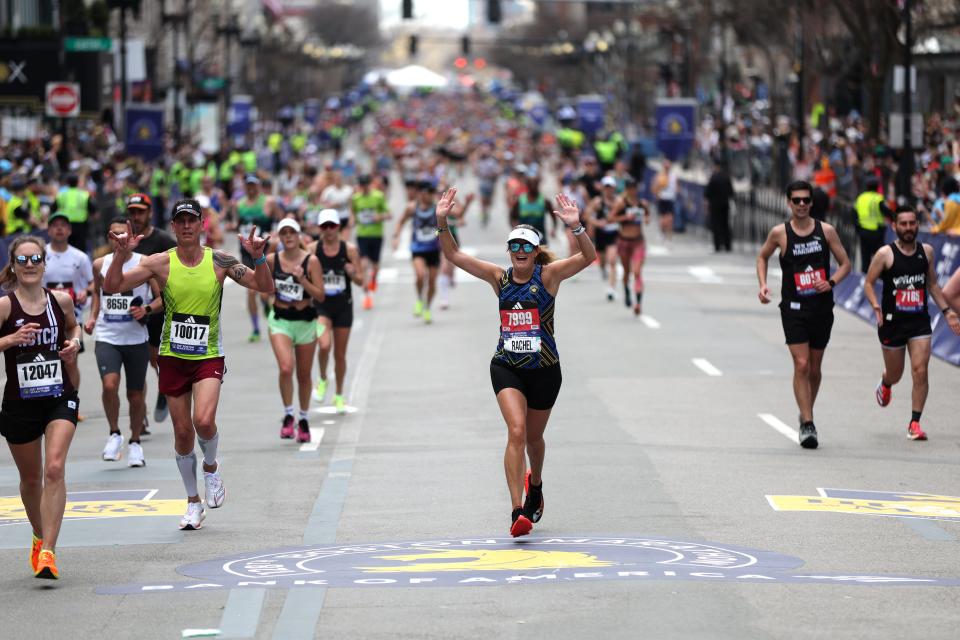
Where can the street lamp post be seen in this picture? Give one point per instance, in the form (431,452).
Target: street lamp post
(124,6)
(176,20)
(229,31)
(906,173)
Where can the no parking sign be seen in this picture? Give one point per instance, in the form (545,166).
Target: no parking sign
(63,99)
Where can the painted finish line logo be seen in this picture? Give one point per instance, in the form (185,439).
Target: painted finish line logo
(500,561)
(86,505)
(873,503)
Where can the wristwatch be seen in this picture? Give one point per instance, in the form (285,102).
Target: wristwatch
(148,309)
(831,283)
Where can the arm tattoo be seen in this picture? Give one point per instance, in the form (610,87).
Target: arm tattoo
(238,272)
(224,260)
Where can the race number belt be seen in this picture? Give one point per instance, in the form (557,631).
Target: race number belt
(806,281)
(40,374)
(189,334)
(116,308)
(288,290)
(334,283)
(520,326)
(910,300)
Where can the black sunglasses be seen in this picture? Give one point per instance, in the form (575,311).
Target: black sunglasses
(34,259)
(801,200)
(329,225)
(515,247)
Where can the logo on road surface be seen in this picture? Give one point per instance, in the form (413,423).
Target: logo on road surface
(501,561)
(97,504)
(873,503)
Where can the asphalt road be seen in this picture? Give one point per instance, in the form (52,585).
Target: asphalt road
(666,449)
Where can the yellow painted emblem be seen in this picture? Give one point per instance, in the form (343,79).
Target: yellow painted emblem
(676,127)
(904,505)
(11,509)
(485,560)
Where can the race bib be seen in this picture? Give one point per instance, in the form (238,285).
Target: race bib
(366,216)
(910,300)
(40,375)
(519,320)
(806,281)
(518,344)
(63,286)
(611,228)
(424,234)
(520,326)
(334,283)
(288,290)
(189,334)
(116,308)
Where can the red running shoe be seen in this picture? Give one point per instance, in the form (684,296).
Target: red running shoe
(303,431)
(286,429)
(521,526)
(914,432)
(884,393)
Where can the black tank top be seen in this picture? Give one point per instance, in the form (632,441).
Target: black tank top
(905,285)
(336,282)
(805,262)
(35,371)
(289,291)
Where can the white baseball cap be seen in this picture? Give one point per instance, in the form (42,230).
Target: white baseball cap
(609,181)
(329,215)
(527,235)
(288,223)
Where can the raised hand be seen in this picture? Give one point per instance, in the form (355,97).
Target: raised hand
(253,245)
(569,211)
(126,242)
(446,202)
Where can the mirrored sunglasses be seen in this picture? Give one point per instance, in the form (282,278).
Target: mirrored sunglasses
(515,247)
(34,259)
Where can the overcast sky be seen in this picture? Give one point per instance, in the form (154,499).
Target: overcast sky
(446,13)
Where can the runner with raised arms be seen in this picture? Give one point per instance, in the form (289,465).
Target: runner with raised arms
(525,370)
(191,351)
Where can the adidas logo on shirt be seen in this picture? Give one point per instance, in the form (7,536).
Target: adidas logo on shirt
(190,320)
(518,306)
(39,358)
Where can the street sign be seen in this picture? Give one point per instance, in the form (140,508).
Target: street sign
(897,130)
(63,99)
(213,83)
(77,45)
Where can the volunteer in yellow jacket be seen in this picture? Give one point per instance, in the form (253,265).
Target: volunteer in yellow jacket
(191,360)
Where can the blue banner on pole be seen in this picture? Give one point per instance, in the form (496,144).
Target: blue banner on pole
(145,131)
(240,116)
(676,127)
(591,111)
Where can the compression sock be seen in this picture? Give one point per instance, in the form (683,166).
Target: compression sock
(209,448)
(304,414)
(255,321)
(288,410)
(188,472)
(916,416)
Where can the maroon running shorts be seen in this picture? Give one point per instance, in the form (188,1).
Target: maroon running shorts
(178,375)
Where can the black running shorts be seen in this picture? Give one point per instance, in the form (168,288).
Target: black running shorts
(540,386)
(432,258)
(813,328)
(370,248)
(339,311)
(25,421)
(896,334)
(605,239)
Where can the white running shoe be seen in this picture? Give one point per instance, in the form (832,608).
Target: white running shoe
(193,518)
(135,455)
(111,451)
(214,485)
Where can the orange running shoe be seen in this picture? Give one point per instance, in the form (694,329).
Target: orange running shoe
(47,566)
(373,285)
(368,302)
(914,432)
(521,524)
(35,552)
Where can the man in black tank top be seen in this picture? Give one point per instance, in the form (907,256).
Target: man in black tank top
(907,270)
(806,305)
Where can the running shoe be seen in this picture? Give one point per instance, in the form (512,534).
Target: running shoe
(286,429)
(193,518)
(808,436)
(111,451)
(215,492)
(427,316)
(47,566)
(521,524)
(368,302)
(35,552)
(320,393)
(914,432)
(611,295)
(135,455)
(417,308)
(636,310)
(303,431)
(340,403)
(160,411)
(254,337)
(884,393)
(533,503)
(373,285)
(145,431)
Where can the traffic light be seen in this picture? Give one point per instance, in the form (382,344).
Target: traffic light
(407,9)
(465,45)
(494,13)
(412,46)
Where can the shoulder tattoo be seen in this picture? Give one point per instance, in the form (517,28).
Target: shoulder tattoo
(224,260)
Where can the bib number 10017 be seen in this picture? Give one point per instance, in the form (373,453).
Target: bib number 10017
(189,334)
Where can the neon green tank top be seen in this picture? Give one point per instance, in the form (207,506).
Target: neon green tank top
(191,310)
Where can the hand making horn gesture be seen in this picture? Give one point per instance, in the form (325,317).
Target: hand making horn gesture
(253,245)
(126,242)
(569,211)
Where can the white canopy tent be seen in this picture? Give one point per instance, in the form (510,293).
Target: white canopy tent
(414,76)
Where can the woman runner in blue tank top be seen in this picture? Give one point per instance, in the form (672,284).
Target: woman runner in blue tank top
(525,370)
